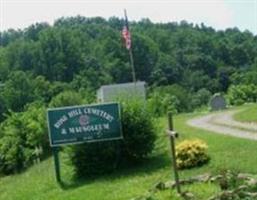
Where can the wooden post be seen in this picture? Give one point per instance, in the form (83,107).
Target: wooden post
(57,164)
(172,146)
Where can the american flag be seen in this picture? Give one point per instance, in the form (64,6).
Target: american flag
(125,32)
(126,36)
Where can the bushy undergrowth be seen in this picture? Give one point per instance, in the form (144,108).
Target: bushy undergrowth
(191,153)
(176,99)
(23,139)
(239,94)
(98,158)
(23,135)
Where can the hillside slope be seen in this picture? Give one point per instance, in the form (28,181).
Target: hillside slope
(38,182)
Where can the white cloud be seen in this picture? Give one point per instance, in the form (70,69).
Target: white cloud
(22,13)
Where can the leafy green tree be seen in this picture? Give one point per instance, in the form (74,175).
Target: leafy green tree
(32,32)
(2,108)
(165,72)
(18,90)
(4,70)
(201,98)
(145,55)
(224,74)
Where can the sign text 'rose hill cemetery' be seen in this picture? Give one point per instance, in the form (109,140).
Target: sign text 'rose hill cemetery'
(78,124)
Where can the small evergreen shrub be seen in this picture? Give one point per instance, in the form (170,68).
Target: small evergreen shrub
(191,153)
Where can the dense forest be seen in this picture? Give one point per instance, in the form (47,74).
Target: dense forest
(64,64)
(81,54)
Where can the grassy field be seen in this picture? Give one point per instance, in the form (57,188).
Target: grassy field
(38,183)
(248,115)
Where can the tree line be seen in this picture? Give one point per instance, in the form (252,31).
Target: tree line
(84,53)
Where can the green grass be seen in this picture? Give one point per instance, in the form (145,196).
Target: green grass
(247,115)
(38,182)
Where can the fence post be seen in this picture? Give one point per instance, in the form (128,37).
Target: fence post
(172,145)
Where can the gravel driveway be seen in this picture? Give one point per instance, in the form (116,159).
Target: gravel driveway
(223,123)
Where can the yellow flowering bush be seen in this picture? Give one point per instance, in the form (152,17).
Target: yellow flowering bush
(191,153)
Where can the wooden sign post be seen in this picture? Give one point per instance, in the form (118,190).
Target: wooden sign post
(172,135)
(57,164)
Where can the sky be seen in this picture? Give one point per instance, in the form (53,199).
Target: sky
(219,14)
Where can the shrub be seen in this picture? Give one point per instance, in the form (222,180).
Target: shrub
(103,157)
(174,98)
(138,130)
(191,153)
(239,94)
(23,139)
(89,159)
(66,98)
(23,136)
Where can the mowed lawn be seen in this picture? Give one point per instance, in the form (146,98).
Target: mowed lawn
(38,182)
(248,115)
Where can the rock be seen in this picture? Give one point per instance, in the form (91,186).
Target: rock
(252,182)
(187,195)
(241,188)
(243,176)
(215,178)
(159,186)
(170,184)
(202,178)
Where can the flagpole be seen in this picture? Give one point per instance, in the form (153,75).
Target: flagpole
(132,66)
(130,51)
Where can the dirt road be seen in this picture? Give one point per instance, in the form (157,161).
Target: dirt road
(223,123)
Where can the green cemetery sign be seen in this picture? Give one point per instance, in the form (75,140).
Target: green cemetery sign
(77,124)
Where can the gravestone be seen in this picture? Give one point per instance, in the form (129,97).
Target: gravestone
(110,93)
(218,102)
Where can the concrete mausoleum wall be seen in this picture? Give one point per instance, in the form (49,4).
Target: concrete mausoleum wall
(109,93)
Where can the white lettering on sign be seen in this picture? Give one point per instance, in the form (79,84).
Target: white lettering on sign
(74,113)
(99,113)
(60,122)
(79,112)
(90,128)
